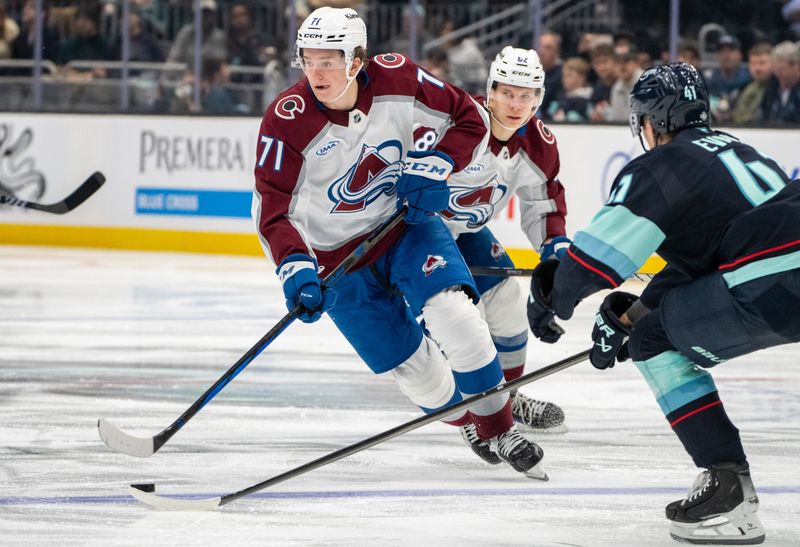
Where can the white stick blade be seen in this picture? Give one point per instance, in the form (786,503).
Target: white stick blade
(171,504)
(120,441)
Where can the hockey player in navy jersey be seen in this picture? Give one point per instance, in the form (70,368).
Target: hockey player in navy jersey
(335,159)
(521,159)
(726,219)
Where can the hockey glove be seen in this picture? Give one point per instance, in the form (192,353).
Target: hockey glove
(610,336)
(541,317)
(555,248)
(301,286)
(423,184)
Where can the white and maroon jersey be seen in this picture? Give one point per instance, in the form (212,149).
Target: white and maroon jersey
(325,178)
(527,164)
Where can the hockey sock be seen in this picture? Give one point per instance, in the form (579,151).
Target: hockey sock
(504,310)
(426,379)
(688,397)
(706,432)
(455,323)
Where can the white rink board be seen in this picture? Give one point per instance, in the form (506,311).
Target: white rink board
(188,156)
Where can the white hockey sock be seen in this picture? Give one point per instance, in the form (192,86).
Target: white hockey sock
(456,324)
(426,379)
(504,310)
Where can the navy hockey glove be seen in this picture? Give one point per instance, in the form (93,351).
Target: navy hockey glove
(423,184)
(609,335)
(541,316)
(555,248)
(301,286)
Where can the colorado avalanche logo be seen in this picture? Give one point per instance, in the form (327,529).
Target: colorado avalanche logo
(433,262)
(372,175)
(497,251)
(474,206)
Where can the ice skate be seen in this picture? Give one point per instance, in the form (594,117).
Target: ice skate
(541,416)
(482,448)
(721,508)
(520,453)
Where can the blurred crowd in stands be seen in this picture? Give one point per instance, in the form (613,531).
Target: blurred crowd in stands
(244,65)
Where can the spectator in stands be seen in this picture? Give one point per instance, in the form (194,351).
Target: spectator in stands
(644,59)
(748,104)
(213,38)
(781,103)
(549,51)
(573,101)
(727,80)
(468,65)
(9,31)
(217,98)
(86,45)
(24,44)
(624,42)
(585,44)
(143,46)
(689,52)
(246,47)
(606,66)
(401,42)
(629,72)
(436,63)
(791,12)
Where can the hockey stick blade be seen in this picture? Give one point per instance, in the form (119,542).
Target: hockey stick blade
(81,194)
(120,441)
(172,504)
(205,504)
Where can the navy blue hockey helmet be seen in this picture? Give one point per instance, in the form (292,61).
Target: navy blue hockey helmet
(672,96)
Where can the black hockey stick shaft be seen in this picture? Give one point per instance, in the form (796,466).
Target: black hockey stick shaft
(377,235)
(499,271)
(408,426)
(525,272)
(81,194)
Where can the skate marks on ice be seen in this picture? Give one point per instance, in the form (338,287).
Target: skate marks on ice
(148,333)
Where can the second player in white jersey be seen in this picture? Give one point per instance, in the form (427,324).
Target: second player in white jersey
(521,160)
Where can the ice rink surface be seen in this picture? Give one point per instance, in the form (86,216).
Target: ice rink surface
(136,338)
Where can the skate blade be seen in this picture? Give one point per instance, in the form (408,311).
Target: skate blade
(536,472)
(733,530)
(555,430)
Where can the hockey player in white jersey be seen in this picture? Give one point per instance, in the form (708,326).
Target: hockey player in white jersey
(335,159)
(521,159)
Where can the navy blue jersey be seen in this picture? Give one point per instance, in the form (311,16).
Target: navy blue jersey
(679,200)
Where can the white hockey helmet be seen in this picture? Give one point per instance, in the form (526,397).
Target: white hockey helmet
(331,28)
(516,66)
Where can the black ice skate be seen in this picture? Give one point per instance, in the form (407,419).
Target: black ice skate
(520,453)
(720,509)
(542,416)
(482,448)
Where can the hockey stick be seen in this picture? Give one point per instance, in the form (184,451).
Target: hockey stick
(526,272)
(146,447)
(81,194)
(145,492)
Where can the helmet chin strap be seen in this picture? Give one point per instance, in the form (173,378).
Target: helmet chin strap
(350,80)
(512,129)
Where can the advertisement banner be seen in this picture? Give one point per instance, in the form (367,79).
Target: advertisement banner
(172,178)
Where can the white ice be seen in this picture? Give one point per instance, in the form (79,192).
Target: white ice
(136,338)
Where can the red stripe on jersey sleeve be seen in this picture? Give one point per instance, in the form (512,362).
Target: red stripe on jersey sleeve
(556,222)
